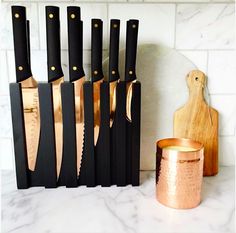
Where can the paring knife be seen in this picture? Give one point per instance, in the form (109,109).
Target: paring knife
(114,75)
(28,84)
(55,75)
(130,61)
(97,73)
(77,76)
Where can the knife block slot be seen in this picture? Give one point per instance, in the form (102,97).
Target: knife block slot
(118,137)
(133,137)
(68,174)
(87,170)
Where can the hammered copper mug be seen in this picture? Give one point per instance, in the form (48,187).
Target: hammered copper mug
(179,172)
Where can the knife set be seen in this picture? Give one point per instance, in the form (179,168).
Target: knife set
(76,132)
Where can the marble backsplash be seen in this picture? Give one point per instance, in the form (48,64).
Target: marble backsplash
(203,32)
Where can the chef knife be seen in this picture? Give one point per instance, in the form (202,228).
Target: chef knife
(97,73)
(130,61)
(77,76)
(28,84)
(113,64)
(55,75)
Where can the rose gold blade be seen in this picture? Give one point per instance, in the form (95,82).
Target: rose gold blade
(57,108)
(31,119)
(96,102)
(79,114)
(129,89)
(112,101)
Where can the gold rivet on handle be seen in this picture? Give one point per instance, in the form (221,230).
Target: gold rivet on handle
(51,16)
(113,72)
(134,26)
(17,15)
(95,72)
(72,16)
(20,68)
(115,26)
(74,68)
(53,68)
(96,25)
(130,72)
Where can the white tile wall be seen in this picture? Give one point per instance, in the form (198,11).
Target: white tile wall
(221,72)
(157,21)
(205,26)
(204,32)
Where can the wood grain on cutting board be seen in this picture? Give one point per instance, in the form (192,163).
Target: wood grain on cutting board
(198,121)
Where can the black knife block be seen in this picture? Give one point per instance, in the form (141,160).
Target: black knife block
(115,160)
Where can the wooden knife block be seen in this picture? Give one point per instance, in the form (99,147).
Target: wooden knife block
(115,160)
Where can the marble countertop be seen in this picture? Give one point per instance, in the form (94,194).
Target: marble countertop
(116,209)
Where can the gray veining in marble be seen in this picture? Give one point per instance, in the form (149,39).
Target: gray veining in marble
(124,209)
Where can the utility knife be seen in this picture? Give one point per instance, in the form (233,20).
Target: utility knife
(77,76)
(55,76)
(130,61)
(97,73)
(114,75)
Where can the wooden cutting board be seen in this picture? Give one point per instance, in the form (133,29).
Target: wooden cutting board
(198,121)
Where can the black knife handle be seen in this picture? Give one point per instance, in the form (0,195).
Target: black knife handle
(74,12)
(114,50)
(28,41)
(53,43)
(23,69)
(96,62)
(75,41)
(131,49)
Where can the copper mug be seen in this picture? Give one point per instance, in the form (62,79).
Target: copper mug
(179,172)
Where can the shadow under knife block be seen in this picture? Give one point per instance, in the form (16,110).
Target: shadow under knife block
(44,173)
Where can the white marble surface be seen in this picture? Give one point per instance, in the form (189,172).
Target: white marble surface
(127,209)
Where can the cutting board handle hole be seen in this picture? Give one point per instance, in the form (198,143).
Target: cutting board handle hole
(196,78)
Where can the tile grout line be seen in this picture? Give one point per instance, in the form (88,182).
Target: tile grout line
(178,49)
(124,2)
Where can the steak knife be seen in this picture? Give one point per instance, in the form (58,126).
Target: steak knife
(114,75)
(97,73)
(130,61)
(77,76)
(29,86)
(55,75)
